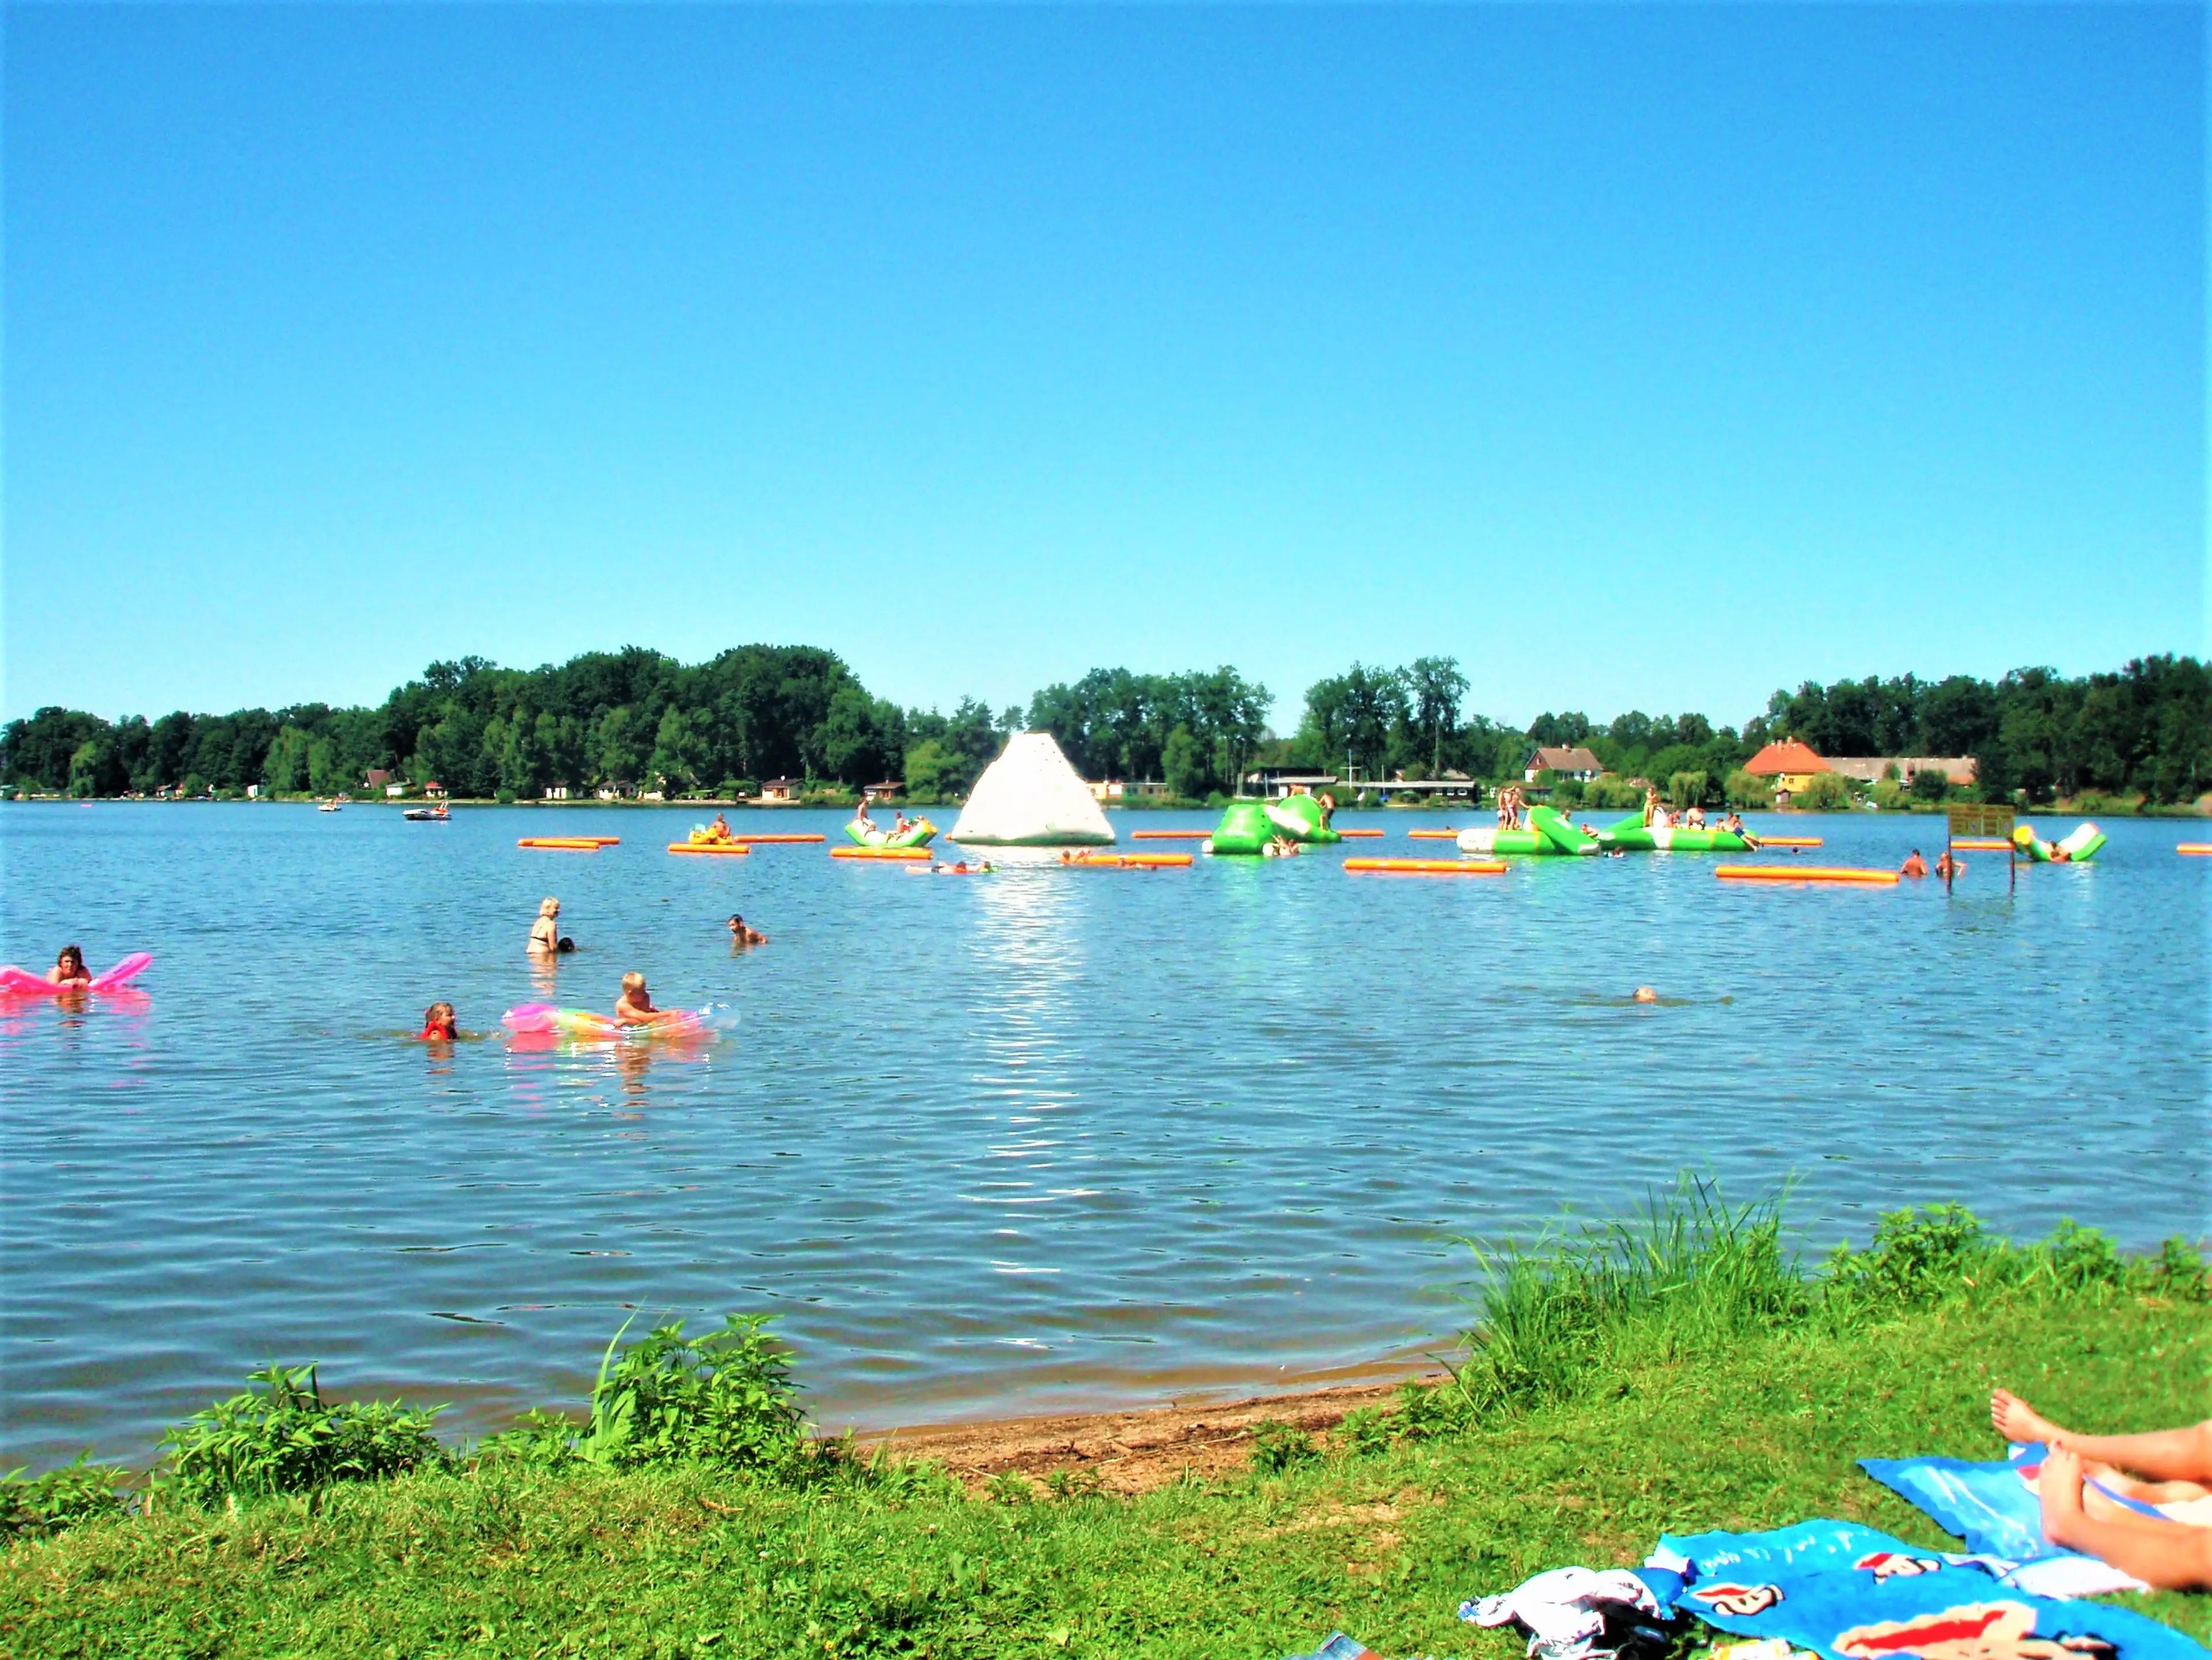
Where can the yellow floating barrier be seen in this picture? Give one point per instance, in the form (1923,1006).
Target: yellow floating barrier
(776,841)
(1984,844)
(1130,860)
(561,843)
(1803,873)
(1790,840)
(1169,835)
(1434,834)
(2194,847)
(1428,867)
(733,847)
(895,855)
(1352,835)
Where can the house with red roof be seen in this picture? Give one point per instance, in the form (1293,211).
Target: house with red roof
(1790,764)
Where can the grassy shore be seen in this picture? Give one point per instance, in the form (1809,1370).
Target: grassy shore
(1608,1398)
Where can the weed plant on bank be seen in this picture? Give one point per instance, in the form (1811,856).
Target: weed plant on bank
(1680,1371)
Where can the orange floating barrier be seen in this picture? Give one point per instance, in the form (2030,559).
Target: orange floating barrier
(1790,840)
(1130,860)
(561,843)
(1434,834)
(2194,847)
(778,841)
(709,846)
(1169,835)
(1428,867)
(1803,873)
(894,855)
(1350,834)
(1984,844)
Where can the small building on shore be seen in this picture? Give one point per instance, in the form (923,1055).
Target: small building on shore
(1790,764)
(1575,762)
(781,791)
(1873,768)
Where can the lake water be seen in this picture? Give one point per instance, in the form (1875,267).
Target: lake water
(1047,1138)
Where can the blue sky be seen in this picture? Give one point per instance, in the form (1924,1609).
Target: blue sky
(1646,356)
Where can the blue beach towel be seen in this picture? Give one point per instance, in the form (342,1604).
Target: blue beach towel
(1339,1647)
(1850,1593)
(1996,1508)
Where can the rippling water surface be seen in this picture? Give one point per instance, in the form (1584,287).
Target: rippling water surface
(1050,1137)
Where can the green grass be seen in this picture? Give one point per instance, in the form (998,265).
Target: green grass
(1674,1376)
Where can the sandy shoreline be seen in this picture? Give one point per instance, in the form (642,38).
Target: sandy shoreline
(1129,1451)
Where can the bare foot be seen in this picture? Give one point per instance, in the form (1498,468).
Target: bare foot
(2061,1491)
(2015,1421)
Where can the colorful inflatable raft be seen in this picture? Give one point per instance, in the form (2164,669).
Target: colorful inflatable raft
(2078,847)
(21,983)
(591,1025)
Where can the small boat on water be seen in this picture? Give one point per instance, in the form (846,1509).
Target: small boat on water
(331,805)
(426,815)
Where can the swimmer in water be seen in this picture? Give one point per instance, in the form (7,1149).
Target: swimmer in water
(1915,865)
(69,968)
(1947,867)
(744,934)
(439,1024)
(1645,994)
(545,931)
(634,1007)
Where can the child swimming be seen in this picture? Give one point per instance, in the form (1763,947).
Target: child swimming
(438,1023)
(69,968)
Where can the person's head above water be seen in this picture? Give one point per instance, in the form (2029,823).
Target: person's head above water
(549,907)
(1645,994)
(633,981)
(70,960)
(438,1020)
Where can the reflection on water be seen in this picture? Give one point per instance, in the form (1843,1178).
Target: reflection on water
(1045,1137)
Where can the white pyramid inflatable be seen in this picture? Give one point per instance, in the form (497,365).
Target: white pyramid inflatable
(1030,797)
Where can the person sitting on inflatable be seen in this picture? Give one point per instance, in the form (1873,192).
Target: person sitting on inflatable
(1915,865)
(69,969)
(744,934)
(438,1023)
(1734,825)
(634,1007)
(719,830)
(1695,818)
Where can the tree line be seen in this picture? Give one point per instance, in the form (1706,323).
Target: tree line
(635,719)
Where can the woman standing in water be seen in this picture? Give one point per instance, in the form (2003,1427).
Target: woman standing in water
(546,938)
